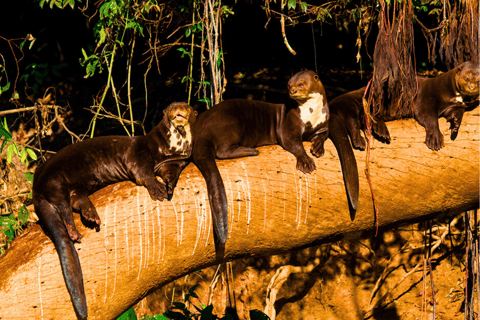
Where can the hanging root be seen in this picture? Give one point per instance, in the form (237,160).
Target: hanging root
(394,76)
(459,39)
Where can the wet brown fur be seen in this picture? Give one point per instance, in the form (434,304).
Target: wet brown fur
(63,183)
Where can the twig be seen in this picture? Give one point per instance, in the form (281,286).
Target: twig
(59,119)
(284,34)
(26,109)
(213,284)
(129,89)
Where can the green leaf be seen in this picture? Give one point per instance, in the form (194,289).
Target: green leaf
(85,57)
(102,34)
(128,315)
(71,3)
(10,151)
(6,134)
(28,176)
(5,88)
(292,4)
(23,214)
(179,305)
(31,44)
(32,154)
(304,6)
(38,77)
(191,291)
(206,313)
(42,2)
(23,155)
(258,315)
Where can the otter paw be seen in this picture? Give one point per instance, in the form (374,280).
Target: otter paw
(434,140)
(381,130)
(317,150)
(158,192)
(359,142)
(90,214)
(455,120)
(306,165)
(169,193)
(73,232)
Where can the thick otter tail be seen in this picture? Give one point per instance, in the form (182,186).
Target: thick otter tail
(339,135)
(204,159)
(72,271)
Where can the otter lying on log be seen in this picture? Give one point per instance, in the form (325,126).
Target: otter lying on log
(234,128)
(64,182)
(447,95)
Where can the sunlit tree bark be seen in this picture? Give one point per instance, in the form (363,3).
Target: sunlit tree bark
(144,244)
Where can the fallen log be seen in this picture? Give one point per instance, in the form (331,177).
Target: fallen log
(273,208)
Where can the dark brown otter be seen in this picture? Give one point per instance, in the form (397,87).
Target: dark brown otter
(234,128)
(447,95)
(64,182)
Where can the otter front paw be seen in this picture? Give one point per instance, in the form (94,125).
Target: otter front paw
(380,129)
(73,232)
(306,165)
(317,150)
(434,140)
(358,142)
(318,143)
(158,191)
(455,119)
(90,213)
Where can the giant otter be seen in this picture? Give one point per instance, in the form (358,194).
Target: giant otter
(64,182)
(234,128)
(447,95)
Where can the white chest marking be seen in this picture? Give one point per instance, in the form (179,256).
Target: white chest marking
(312,111)
(179,143)
(458,98)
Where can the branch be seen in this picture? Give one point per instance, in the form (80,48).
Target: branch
(145,244)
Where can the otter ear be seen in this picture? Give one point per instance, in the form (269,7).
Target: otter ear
(196,113)
(316,77)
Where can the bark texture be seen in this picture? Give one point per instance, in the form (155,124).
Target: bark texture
(144,244)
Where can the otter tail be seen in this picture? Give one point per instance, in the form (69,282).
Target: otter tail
(72,271)
(339,135)
(204,159)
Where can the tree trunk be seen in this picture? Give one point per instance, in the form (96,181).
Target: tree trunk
(144,244)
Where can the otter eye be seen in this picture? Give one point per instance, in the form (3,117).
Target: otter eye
(300,85)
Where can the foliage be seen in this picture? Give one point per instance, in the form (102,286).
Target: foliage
(41,73)
(181,311)
(9,224)
(128,315)
(61,4)
(12,148)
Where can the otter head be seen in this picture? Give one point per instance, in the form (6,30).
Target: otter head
(467,79)
(304,85)
(179,116)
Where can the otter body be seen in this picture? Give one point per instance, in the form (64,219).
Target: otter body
(447,95)
(64,182)
(234,128)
